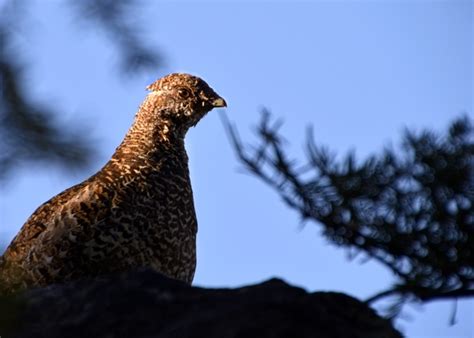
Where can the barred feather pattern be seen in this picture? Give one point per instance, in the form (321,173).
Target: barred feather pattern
(137,211)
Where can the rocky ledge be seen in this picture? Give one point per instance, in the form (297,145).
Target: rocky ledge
(144,303)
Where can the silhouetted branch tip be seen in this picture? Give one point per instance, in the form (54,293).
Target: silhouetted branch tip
(412,211)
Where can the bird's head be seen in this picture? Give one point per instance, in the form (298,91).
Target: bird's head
(184,99)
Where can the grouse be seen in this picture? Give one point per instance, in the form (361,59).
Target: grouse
(137,211)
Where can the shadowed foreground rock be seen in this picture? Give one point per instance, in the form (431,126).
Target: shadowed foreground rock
(146,304)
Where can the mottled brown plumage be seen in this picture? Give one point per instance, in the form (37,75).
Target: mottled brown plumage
(136,211)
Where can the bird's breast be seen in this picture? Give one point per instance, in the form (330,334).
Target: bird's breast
(155,211)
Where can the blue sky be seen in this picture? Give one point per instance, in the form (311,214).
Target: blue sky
(358,71)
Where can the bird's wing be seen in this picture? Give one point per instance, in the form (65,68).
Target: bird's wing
(52,218)
(47,230)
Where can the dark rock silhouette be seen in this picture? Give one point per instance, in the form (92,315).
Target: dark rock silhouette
(144,303)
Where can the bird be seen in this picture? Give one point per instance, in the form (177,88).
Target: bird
(135,212)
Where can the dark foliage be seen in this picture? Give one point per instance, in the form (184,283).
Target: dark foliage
(114,17)
(412,211)
(29,131)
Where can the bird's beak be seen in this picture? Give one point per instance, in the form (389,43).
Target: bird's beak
(219,102)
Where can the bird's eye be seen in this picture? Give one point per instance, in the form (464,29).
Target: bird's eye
(184,93)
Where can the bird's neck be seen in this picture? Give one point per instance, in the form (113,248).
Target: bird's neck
(151,138)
